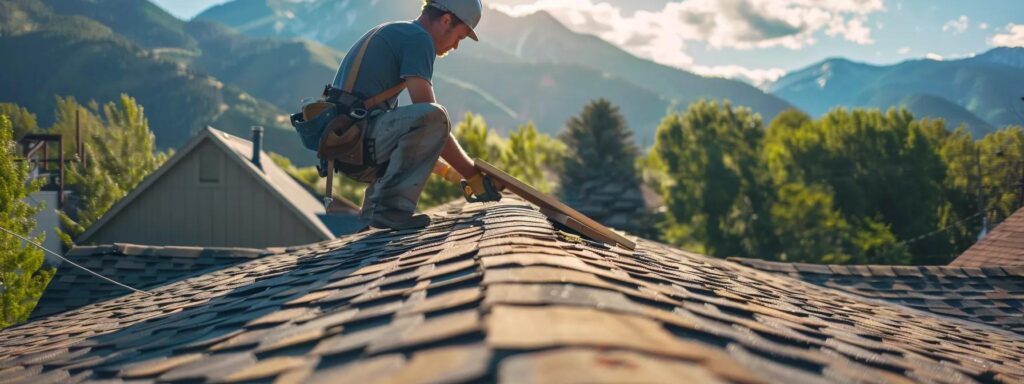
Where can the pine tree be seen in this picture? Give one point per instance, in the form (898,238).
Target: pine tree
(600,146)
(22,278)
(120,152)
(599,177)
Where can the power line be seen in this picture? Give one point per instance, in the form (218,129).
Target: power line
(72,263)
(938,231)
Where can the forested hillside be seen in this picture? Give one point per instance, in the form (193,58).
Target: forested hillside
(71,55)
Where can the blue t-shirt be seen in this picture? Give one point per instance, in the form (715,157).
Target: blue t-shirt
(399,50)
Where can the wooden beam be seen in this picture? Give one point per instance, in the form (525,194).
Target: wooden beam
(556,210)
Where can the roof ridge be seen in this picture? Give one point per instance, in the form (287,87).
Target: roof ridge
(490,292)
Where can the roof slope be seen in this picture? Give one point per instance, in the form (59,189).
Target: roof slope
(492,292)
(277,181)
(990,295)
(139,267)
(1003,246)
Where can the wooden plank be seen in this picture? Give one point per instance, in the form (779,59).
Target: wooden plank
(556,210)
(575,225)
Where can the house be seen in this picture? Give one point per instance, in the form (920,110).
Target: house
(45,156)
(494,292)
(220,191)
(1003,246)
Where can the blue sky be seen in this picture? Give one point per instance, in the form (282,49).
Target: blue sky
(761,39)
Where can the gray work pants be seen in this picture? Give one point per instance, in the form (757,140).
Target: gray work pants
(411,139)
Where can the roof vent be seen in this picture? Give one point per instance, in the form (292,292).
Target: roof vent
(257,145)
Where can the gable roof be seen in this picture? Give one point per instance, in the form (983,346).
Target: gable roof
(493,292)
(278,182)
(1003,246)
(989,295)
(140,267)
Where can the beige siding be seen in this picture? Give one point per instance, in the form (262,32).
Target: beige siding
(179,210)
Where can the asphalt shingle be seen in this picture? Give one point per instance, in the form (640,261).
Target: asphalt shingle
(1004,246)
(987,296)
(137,266)
(493,292)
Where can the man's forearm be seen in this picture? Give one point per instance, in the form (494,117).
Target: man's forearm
(454,155)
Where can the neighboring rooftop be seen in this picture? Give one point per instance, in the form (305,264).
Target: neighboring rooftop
(212,194)
(1003,246)
(494,292)
(140,267)
(989,295)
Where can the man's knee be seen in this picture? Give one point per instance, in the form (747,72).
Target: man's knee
(437,118)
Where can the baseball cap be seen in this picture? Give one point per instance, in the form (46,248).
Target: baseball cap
(469,11)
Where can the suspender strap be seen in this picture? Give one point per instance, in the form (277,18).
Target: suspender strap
(384,96)
(353,74)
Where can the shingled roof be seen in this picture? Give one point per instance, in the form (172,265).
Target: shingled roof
(297,201)
(493,292)
(989,295)
(137,266)
(1003,246)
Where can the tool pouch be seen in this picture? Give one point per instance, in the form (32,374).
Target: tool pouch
(312,121)
(342,140)
(336,137)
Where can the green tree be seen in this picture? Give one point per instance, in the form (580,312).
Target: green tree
(22,278)
(120,152)
(885,176)
(715,185)
(959,208)
(530,156)
(1002,166)
(599,173)
(21,119)
(599,146)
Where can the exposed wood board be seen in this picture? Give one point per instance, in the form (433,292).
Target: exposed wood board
(556,210)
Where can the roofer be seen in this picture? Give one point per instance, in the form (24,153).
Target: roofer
(402,143)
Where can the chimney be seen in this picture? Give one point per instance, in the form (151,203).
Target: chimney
(257,145)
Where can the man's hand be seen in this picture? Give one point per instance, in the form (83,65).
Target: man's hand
(479,188)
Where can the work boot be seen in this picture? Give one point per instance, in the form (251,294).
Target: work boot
(399,220)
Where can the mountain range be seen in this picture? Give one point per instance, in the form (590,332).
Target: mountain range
(530,68)
(249,62)
(58,48)
(982,92)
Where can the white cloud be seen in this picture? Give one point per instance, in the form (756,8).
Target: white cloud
(983,26)
(757,77)
(958,25)
(1014,37)
(934,56)
(664,35)
(904,50)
